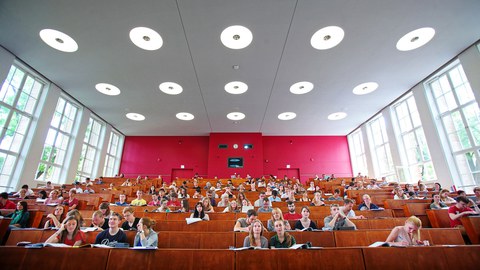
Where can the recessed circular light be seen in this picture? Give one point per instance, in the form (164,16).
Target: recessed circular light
(365,88)
(300,88)
(236,37)
(185,116)
(287,116)
(327,37)
(107,89)
(236,88)
(415,39)
(171,88)
(337,116)
(135,116)
(235,116)
(146,38)
(58,40)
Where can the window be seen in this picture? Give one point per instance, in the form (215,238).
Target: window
(460,119)
(357,153)
(91,145)
(18,100)
(112,160)
(57,143)
(413,145)
(381,155)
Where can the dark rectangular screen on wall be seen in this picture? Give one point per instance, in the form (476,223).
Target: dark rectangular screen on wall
(222,146)
(235,162)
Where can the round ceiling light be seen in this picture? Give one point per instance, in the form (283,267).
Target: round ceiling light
(327,37)
(337,116)
(236,116)
(236,88)
(287,116)
(300,88)
(107,89)
(146,38)
(135,116)
(185,116)
(171,88)
(236,37)
(415,39)
(58,40)
(365,88)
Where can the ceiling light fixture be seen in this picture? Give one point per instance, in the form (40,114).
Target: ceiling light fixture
(236,37)
(236,88)
(365,88)
(287,116)
(107,89)
(135,116)
(300,88)
(171,88)
(185,116)
(58,40)
(327,37)
(236,116)
(415,39)
(146,38)
(337,116)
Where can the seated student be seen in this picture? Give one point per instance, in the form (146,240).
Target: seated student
(174,202)
(53,198)
(72,202)
(77,188)
(152,190)
(265,207)
(281,239)
(276,215)
(243,224)
(88,182)
(113,235)
(183,193)
(422,191)
(336,220)
(98,221)
(155,201)
(259,202)
(146,236)
(373,184)
(475,199)
(131,222)
(89,190)
(304,197)
(122,200)
(445,198)
(437,203)
(163,207)
(127,183)
(255,237)
(367,203)
(347,209)
(207,206)
(27,192)
(20,216)
(5,203)
(233,207)
(458,210)
(224,200)
(336,196)
(291,215)
(408,234)
(69,233)
(42,195)
(311,186)
(305,221)
(139,201)
(317,199)
(105,208)
(400,194)
(54,220)
(200,212)
(75,213)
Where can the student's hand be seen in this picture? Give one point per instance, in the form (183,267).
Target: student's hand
(50,215)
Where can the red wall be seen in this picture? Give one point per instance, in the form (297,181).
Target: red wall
(309,154)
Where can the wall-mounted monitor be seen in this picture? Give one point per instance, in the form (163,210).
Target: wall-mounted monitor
(235,162)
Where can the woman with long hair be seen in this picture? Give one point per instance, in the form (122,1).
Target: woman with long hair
(255,237)
(408,234)
(281,239)
(55,219)
(146,236)
(276,215)
(20,216)
(69,233)
(199,212)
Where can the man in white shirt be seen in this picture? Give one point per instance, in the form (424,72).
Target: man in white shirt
(77,188)
(347,209)
(259,202)
(28,191)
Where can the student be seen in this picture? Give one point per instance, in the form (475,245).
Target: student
(347,209)
(317,199)
(276,215)
(20,216)
(54,220)
(71,202)
(255,237)
(336,220)
(53,198)
(155,201)
(146,236)
(458,210)
(69,233)
(305,221)
(105,208)
(259,202)
(281,239)
(5,203)
(336,196)
(122,200)
(28,192)
(199,212)
(139,201)
(291,215)
(437,203)
(98,221)
(243,224)
(113,235)
(233,207)
(265,207)
(367,203)
(131,222)
(408,234)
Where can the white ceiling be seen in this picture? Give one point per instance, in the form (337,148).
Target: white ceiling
(280,55)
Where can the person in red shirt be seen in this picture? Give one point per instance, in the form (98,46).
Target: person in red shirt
(291,215)
(5,203)
(174,202)
(69,233)
(458,210)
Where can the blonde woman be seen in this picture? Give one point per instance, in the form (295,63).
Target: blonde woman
(277,215)
(408,234)
(207,206)
(255,237)
(317,199)
(146,236)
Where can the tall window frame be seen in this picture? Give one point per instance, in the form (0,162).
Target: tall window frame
(90,150)
(357,152)
(459,118)
(19,99)
(113,156)
(380,148)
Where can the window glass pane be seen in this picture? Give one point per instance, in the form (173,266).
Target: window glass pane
(472,115)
